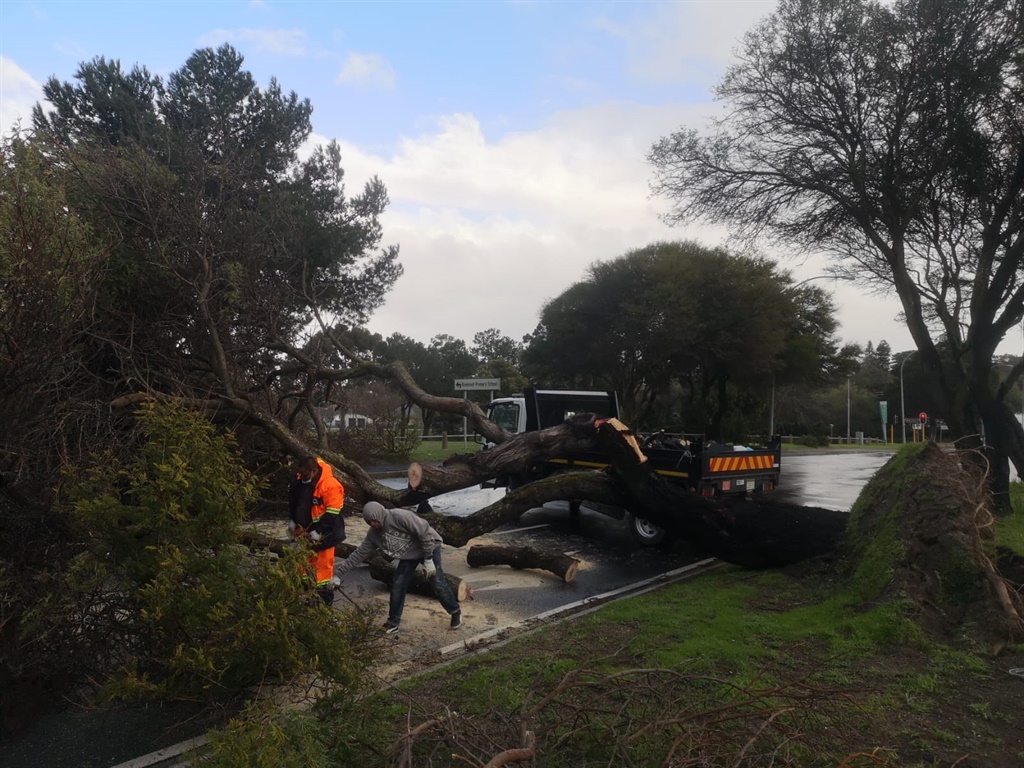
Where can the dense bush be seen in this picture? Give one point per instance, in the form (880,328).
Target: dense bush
(184,608)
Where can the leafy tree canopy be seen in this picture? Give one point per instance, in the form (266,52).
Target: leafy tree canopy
(223,246)
(679,314)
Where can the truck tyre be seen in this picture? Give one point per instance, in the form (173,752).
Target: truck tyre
(645,532)
(515,481)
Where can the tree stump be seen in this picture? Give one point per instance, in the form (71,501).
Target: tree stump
(557,563)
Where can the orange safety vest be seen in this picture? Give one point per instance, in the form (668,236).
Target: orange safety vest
(329,494)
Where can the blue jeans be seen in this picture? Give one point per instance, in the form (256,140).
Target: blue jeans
(403,578)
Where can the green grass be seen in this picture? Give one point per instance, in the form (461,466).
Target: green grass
(1010,529)
(732,639)
(431,450)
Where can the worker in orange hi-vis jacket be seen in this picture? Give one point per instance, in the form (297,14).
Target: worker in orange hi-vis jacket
(315,499)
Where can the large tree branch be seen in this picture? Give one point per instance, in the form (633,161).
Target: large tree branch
(589,485)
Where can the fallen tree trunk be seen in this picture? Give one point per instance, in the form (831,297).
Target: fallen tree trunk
(514,456)
(557,563)
(591,485)
(754,533)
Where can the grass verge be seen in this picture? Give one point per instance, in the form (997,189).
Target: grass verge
(736,668)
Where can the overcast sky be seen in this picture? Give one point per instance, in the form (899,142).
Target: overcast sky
(511,136)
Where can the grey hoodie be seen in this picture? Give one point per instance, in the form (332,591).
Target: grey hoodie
(404,535)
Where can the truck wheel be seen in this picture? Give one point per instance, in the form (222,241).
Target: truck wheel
(645,532)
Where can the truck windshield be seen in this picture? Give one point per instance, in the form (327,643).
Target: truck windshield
(506,416)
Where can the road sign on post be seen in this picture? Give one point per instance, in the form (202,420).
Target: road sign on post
(462,385)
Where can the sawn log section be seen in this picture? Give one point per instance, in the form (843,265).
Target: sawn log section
(557,563)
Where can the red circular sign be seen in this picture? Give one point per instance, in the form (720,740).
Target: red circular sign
(923,416)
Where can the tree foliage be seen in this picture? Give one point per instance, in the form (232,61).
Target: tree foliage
(157,598)
(889,135)
(52,266)
(214,247)
(162,241)
(695,326)
(500,358)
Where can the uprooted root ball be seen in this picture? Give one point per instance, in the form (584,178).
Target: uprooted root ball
(922,531)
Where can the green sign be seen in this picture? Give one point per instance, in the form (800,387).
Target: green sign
(883,405)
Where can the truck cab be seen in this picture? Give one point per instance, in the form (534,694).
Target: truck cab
(543,408)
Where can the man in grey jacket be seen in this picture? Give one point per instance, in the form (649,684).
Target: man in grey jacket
(402,535)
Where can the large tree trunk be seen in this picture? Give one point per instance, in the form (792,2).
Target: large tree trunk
(514,456)
(1002,438)
(591,485)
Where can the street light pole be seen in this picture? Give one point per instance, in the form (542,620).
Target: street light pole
(848,410)
(903,412)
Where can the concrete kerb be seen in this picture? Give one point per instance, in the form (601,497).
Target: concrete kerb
(168,757)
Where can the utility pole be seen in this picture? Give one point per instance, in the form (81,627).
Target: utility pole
(848,410)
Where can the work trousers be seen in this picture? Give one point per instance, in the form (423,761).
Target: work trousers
(403,578)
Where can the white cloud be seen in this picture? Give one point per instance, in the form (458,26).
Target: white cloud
(19,92)
(281,42)
(491,229)
(684,41)
(367,69)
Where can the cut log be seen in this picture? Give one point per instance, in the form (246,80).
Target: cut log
(383,571)
(560,564)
